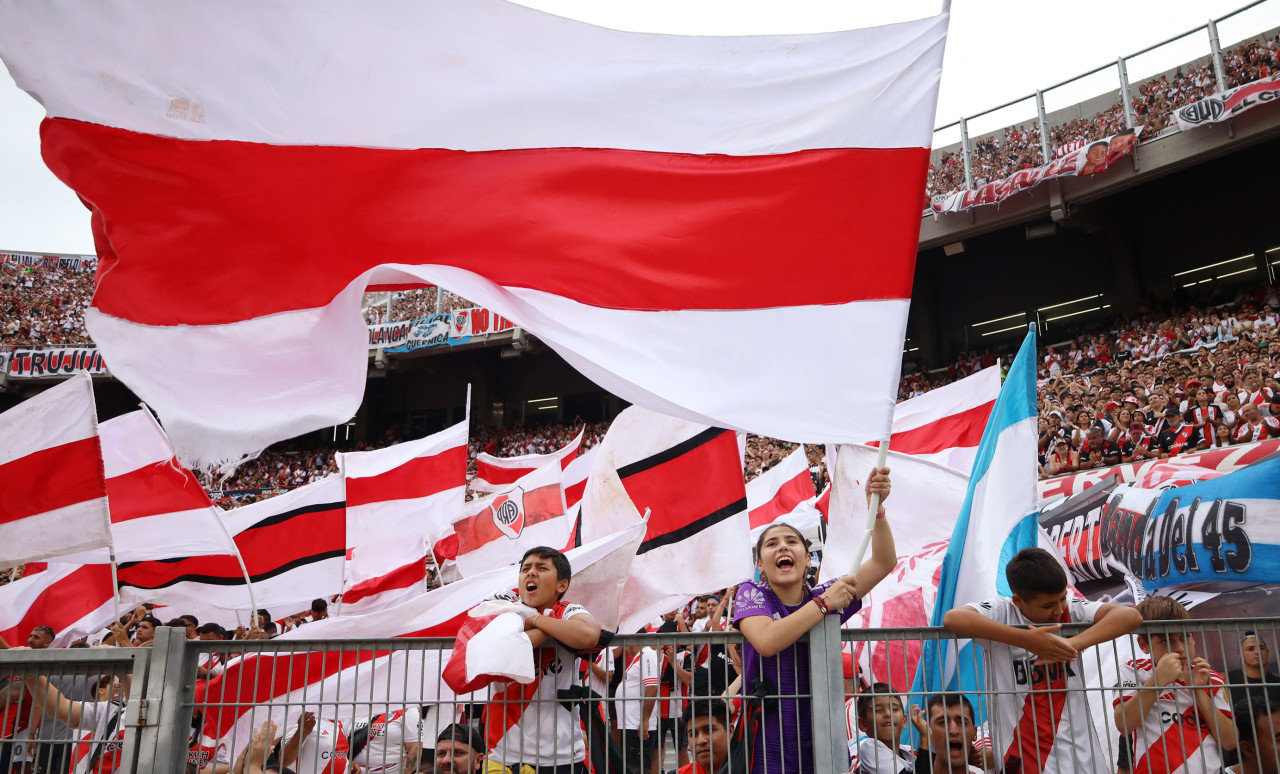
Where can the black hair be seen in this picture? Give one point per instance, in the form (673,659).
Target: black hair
(270,627)
(151,619)
(190,619)
(1035,571)
(558,560)
(1261,702)
(210,628)
(46,629)
(948,700)
(262,613)
(708,707)
(770,528)
(176,623)
(318,605)
(867,701)
(1103,143)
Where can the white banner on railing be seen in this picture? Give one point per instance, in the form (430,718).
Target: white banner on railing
(51,261)
(25,363)
(1233,102)
(1089,159)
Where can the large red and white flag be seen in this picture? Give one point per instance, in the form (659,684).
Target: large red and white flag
(785,493)
(494,473)
(946,424)
(294,549)
(158,508)
(499,528)
(53,492)
(352,681)
(411,489)
(74,600)
(495,150)
(688,478)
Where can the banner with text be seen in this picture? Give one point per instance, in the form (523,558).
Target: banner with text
(1228,104)
(81,262)
(1090,159)
(447,328)
(1223,530)
(1175,471)
(35,363)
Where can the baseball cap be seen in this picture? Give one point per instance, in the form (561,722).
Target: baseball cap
(457,732)
(1172,412)
(1136,426)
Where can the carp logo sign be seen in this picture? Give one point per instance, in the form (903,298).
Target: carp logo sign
(508,512)
(462,323)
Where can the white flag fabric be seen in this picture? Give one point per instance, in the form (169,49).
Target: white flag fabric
(945,425)
(495,150)
(415,488)
(576,474)
(53,492)
(494,473)
(688,478)
(404,677)
(498,529)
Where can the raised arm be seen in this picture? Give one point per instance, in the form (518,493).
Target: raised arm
(1110,622)
(51,702)
(1040,640)
(884,555)
(576,633)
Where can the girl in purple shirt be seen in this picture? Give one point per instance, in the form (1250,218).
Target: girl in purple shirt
(776,611)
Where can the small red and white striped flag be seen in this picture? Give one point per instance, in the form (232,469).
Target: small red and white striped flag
(494,473)
(53,491)
(785,493)
(498,151)
(946,424)
(412,489)
(383,575)
(75,600)
(499,528)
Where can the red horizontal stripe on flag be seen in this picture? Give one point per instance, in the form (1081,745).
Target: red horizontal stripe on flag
(399,578)
(499,476)
(789,495)
(686,484)
(960,429)
(65,602)
(541,504)
(419,477)
(573,493)
(153,490)
(610,228)
(51,478)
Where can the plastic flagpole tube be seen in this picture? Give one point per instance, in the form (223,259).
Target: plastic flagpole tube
(871,513)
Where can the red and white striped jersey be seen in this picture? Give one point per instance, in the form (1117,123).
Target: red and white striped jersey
(1041,712)
(325,749)
(100,748)
(1173,738)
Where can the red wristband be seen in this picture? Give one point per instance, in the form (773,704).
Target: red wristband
(881,514)
(821,603)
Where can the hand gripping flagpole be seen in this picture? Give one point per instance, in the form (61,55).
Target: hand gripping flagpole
(871,512)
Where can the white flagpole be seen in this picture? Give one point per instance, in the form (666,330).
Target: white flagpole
(871,512)
(115,582)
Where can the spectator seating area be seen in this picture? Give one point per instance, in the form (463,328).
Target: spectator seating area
(44,306)
(996,156)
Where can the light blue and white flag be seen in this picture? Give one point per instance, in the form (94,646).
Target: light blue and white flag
(998,519)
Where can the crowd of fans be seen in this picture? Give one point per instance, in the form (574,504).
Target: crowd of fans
(411,304)
(44,306)
(996,157)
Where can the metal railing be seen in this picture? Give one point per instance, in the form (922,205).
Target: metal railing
(384,704)
(1109,88)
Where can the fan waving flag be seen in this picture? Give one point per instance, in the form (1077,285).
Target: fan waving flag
(53,491)
(412,488)
(498,529)
(999,517)
(946,424)
(633,199)
(494,473)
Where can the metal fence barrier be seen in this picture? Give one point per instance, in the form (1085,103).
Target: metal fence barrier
(648,703)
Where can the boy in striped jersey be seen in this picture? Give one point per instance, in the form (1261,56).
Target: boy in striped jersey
(1175,706)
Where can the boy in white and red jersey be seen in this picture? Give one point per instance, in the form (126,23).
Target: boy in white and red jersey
(540,732)
(1174,705)
(387,743)
(1041,715)
(101,722)
(320,746)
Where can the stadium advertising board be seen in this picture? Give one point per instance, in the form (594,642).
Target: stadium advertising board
(36,363)
(1228,104)
(1176,471)
(1089,159)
